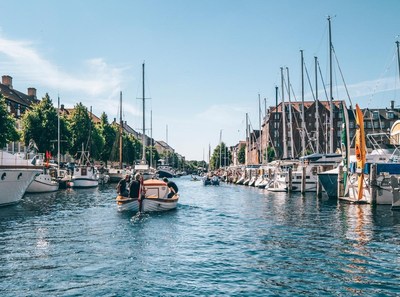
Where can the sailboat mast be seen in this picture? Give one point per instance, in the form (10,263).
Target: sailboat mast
(144,121)
(276,123)
(120,129)
(58,137)
(247,139)
(398,56)
(151,138)
(283,118)
(303,130)
(316,107)
(259,122)
(290,116)
(220,148)
(330,90)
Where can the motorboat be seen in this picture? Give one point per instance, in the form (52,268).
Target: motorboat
(84,174)
(165,171)
(16,174)
(116,174)
(45,182)
(153,199)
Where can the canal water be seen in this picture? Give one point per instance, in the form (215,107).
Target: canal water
(221,241)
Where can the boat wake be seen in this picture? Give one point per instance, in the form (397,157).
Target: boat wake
(140,217)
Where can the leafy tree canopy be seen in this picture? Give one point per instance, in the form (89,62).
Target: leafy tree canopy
(8,131)
(40,125)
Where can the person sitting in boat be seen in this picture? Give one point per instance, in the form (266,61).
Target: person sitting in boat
(122,186)
(134,187)
(173,188)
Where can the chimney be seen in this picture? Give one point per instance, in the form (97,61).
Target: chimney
(392,104)
(62,107)
(32,92)
(7,80)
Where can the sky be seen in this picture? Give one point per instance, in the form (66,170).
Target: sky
(207,62)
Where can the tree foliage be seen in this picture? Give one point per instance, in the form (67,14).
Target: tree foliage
(242,155)
(154,154)
(221,157)
(40,125)
(270,154)
(109,134)
(8,131)
(132,149)
(80,124)
(96,143)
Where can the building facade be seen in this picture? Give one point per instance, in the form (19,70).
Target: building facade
(17,103)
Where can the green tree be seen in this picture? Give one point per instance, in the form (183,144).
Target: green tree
(8,131)
(132,149)
(217,160)
(109,134)
(242,155)
(96,143)
(270,154)
(40,124)
(154,154)
(80,124)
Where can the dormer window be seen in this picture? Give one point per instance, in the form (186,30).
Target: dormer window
(375,115)
(390,115)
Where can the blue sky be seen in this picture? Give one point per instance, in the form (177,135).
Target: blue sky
(206,61)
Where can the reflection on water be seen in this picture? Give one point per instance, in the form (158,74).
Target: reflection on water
(228,240)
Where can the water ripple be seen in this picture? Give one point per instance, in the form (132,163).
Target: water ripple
(220,241)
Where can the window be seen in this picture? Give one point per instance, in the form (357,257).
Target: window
(351,124)
(390,115)
(375,115)
(376,124)
(339,124)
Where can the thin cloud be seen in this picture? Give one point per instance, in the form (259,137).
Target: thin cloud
(97,83)
(26,59)
(222,115)
(364,89)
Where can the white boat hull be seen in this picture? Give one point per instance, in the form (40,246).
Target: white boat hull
(83,183)
(379,193)
(148,204)
(43,183)
(84,177)
(14,182)
(156,192)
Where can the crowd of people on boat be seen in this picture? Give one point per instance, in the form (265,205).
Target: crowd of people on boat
(131,188)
